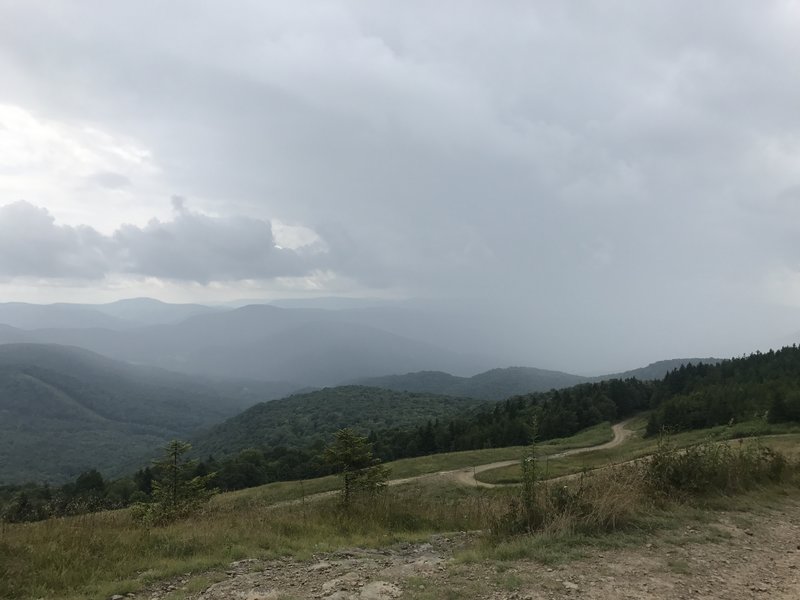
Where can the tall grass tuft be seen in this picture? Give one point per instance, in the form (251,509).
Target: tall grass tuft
(709,468)
(611,498)
(594,503)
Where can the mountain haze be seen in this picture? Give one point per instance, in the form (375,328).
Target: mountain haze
(312,347)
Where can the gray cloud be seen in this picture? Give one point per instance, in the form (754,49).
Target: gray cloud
(610,174)
(33,245)
(191,247)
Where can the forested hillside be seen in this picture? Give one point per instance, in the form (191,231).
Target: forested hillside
(305,420)
(548,415)
(64,410)
(763,385)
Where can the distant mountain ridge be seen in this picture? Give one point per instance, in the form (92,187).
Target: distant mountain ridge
(658,369)
(313,347)
(495,384)
(499,384)
(120,315)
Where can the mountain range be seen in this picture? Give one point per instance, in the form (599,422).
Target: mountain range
(310,347)
(497,384)
(105,385)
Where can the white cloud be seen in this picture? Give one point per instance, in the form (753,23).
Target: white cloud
(190,247)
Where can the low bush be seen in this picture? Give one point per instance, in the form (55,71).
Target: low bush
(709,468)
(610,498)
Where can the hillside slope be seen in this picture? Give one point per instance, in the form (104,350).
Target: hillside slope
(306,419)
(63,410)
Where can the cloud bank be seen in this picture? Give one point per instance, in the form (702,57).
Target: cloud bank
(190,247)
(612,179)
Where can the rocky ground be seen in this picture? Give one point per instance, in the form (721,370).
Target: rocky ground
(731,556)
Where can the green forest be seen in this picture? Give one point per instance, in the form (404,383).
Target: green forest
(285,439)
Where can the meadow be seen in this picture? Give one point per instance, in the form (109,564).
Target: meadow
(98,555)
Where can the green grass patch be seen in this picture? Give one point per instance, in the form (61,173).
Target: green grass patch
(411,467)
(782,438)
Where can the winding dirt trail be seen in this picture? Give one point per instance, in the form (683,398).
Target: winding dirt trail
(467,476)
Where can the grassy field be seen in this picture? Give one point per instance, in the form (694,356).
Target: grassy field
(782,437)
(289,491)
(98,555)
(449,461)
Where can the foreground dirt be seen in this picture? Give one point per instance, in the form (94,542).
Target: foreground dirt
(732,557)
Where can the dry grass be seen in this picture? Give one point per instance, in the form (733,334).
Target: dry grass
(98,555)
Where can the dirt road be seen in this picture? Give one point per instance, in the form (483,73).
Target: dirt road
(467,476)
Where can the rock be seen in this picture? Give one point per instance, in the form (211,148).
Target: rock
(339,596)
(344,582)
(117,597)
(380,590)
(569,585)
(320,566)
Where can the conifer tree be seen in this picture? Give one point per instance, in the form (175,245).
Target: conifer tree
(360,471)
(177,492)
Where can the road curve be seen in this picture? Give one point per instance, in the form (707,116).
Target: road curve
(467,476)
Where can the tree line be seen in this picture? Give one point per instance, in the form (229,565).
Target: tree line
(759,386)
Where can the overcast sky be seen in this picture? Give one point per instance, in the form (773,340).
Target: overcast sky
(607,183)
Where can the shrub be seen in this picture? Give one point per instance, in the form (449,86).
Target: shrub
(712,467)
